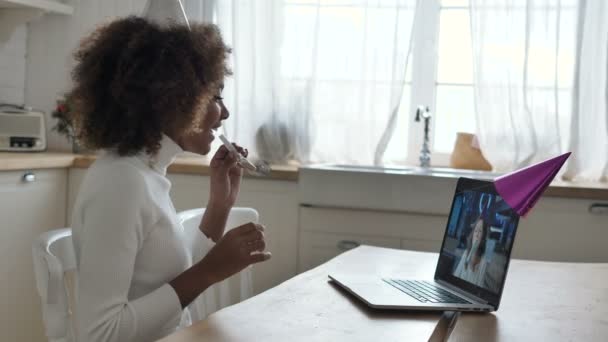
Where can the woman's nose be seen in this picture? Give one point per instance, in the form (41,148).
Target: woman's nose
(225,113)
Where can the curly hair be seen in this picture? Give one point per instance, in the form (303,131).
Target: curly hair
(135,80)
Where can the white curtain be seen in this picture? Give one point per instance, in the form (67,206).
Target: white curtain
(314,81)
(589,119)
(525,61)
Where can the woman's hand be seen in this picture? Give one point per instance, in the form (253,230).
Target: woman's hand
(225,178)
(239,248)
(225,182)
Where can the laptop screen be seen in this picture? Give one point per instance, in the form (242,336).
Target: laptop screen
(478,241)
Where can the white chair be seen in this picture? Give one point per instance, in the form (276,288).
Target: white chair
(230,291)
(55,272)
(54,268)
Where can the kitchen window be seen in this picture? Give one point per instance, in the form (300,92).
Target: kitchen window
(439,73)
(319,79)
(443,78)
(442,66)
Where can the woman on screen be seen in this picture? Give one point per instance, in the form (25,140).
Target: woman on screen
(472,264)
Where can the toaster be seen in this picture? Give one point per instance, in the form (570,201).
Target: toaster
(22,130)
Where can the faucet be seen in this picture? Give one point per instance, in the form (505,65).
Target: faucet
(425,152)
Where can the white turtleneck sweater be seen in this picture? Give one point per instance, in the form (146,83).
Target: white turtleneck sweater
(129,245)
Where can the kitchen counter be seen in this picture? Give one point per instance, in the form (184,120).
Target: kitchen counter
(588,190)
(190,164)
(187,164)
(35,160)
(343,176)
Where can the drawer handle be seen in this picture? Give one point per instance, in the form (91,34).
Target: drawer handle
(599,209)
(345,245)
(29,177)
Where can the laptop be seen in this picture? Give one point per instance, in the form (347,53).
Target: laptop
(472,265)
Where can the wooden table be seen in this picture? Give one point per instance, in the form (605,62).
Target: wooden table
(542,301)
(545,301)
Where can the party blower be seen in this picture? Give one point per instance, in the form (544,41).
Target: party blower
(521,189)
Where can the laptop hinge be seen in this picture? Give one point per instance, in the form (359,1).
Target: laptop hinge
(461,292)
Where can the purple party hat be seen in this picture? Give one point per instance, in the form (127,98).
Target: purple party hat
(521,189)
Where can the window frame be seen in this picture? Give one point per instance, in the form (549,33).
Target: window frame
(424,83)
(424,76)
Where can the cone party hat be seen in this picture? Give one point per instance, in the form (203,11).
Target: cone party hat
(521,189)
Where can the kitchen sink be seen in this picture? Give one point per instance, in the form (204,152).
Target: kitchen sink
(456,172)
(387,188)
(363,168)
(432,171)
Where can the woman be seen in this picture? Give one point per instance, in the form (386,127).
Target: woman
(145,93)
(472,263)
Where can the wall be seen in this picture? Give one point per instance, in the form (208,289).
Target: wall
(51,41)
(12,67)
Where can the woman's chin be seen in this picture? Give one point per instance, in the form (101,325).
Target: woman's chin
(199,143)
(205,150)
(202,149)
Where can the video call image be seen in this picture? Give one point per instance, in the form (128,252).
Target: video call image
(479,238)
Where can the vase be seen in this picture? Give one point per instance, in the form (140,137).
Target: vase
(467,155)
(77,148)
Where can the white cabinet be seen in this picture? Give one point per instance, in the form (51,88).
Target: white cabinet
(14,13)
(383,191)
(563,229)
(276,202)
(27,209)
(327,232)
(421,245)
(317,248)
(558,229)
(75,178)
(49,6)
(382,203)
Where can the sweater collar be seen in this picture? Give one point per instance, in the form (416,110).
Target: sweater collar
(169,149)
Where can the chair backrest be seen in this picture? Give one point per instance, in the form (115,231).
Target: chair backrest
(230,291)
(53,255)
(54,258)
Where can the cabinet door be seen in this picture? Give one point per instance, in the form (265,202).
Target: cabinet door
(317,248)
(275,201)
(563,229)
(27,209)
(75,178)
(373,223)
(327,232)
(421,245)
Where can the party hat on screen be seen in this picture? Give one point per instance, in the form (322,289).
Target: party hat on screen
(521,189)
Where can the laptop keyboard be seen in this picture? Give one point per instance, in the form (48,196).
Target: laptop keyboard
(425,292)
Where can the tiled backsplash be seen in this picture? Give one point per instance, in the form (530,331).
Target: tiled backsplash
(50,43)
(12,67)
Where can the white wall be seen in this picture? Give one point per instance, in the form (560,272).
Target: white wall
(50,44)
(12,67)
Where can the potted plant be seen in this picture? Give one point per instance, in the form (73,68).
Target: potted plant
(64,125)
